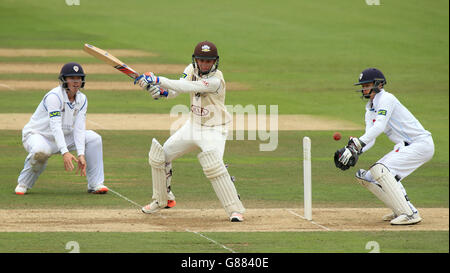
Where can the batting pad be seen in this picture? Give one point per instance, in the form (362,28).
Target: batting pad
(157,161)
(217,173)
(376,189)
(382,175)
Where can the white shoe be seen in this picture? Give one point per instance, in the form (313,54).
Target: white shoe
(151,208)
(389,217)
(407,219)
(236,217)
(21,189)
(100,189)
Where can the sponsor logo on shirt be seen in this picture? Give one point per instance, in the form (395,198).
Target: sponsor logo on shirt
(55,114)
(199,111)
(184,75)
(382,112)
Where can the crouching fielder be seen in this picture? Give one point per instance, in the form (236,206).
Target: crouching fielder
(57,127)
(413,147)
(206,129)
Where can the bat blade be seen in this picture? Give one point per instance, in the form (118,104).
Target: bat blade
(111,60)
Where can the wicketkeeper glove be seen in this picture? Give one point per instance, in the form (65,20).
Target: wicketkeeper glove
(348,156)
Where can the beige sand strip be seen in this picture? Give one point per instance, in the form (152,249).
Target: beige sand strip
(54,68)
(166,122)
(7,85)
(36,52)
(210,220)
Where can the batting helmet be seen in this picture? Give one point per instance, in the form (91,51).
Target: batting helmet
(207,51)
(371,75)
(71,69)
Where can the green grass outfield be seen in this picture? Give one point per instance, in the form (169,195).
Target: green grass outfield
(303,56)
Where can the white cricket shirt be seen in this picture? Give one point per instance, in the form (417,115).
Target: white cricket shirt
(56,117)
(386,114)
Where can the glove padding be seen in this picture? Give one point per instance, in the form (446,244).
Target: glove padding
(348,156)
(157,92)
(147,80)
(345,158)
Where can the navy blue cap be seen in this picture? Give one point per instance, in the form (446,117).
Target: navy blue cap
(371,75)
(72,69)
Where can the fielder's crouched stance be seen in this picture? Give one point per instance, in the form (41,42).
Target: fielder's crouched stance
(206,129)
(57,127)
(414,146)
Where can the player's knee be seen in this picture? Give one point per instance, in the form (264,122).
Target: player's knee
(42,151)
(93,138)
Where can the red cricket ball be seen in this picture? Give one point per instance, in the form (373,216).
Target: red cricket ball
(337,136)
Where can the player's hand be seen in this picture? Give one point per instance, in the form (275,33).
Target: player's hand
(158,92)
(356,144)
(81,165)
(147,79)
(345,158)
(67,158)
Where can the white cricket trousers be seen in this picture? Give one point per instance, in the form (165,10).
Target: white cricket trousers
(403,160)
(93,153)
(191,136)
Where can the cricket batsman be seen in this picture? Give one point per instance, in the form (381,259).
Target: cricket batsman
(206,129)
(413,147)
(57,127)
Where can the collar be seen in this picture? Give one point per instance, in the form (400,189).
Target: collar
(66,97)
(377,97)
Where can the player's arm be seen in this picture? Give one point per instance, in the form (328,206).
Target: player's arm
(79,135)
(149,79)
(383,115)
(369,123)
(54,106)
(210,85)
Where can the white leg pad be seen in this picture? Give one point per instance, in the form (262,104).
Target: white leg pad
(217,173)
(384,177)
(157,161)
(374,188)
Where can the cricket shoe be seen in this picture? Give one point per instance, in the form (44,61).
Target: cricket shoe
(151,208)
(236,217)
(404,219)
(100,189)
(389,217)
(21,189)
(171,202)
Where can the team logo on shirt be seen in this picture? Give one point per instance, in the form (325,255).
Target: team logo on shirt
(55,114)
(184,75)
(382,112)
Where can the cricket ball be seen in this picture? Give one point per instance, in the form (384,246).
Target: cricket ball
(337,136)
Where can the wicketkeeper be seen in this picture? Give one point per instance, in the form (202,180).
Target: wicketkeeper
(58,126)
(413,147)
(206,129)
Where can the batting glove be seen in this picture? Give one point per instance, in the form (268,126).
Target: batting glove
(147,79)
(157,92)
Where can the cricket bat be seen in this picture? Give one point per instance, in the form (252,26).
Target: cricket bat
(110,59)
